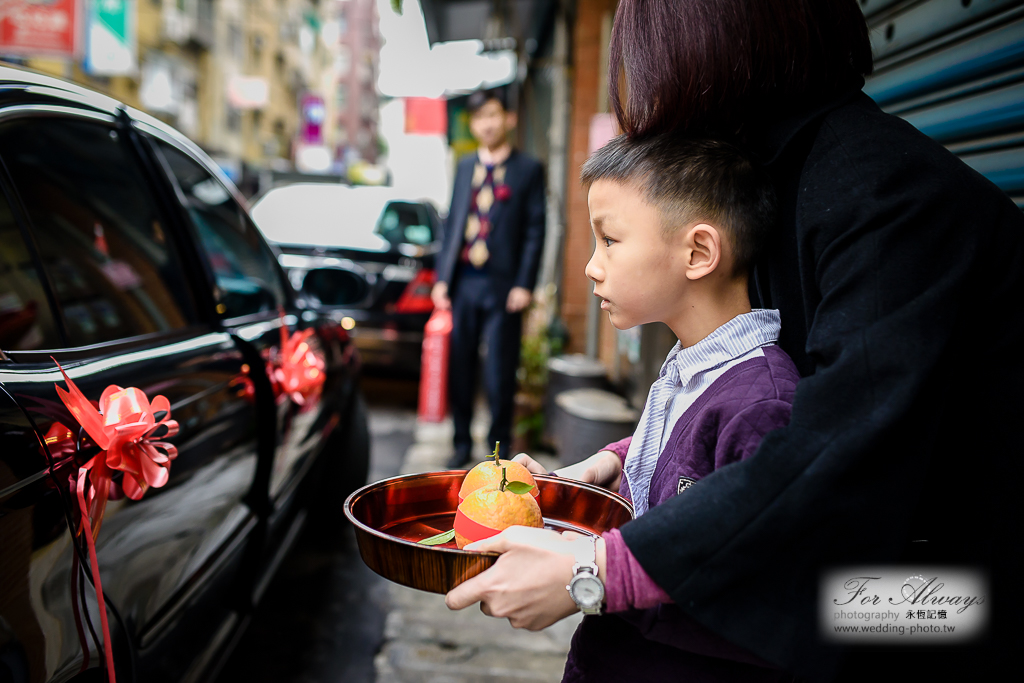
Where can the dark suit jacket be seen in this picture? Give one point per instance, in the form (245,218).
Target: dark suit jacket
(516,239)
(899,274)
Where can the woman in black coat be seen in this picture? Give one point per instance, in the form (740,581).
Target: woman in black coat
(899,273)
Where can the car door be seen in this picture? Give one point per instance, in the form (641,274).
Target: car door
(112,260)
(257,305)
(35,547)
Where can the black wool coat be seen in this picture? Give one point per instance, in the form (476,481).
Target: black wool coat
(898,273)
(516,239)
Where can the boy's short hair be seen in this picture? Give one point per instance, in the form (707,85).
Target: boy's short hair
(482,97)
(693,179)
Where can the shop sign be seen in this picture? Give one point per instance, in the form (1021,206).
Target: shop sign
(41,27)
(111,43)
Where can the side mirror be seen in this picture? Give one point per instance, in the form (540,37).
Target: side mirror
(335,287)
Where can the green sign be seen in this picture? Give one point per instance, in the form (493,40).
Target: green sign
(111,38)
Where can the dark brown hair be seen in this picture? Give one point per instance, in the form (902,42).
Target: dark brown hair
(705,66)
(692,179)
(482,97)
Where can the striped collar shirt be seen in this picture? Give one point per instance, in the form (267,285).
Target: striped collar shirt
(685,375)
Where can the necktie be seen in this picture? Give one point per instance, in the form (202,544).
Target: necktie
(640,470)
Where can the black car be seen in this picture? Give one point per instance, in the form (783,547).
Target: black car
(367,255)
(128,259)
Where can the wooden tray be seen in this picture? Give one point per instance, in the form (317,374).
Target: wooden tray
(390,516)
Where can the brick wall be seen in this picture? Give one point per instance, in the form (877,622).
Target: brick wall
(576,288)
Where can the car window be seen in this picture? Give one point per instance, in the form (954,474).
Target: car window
(405,223)
(248,279)
(26,321)
(102,239)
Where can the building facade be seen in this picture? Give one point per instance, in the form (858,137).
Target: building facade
(256,83)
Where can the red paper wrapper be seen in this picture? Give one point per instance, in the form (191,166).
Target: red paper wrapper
(474,531)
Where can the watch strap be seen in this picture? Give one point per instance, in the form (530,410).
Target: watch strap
(586,562)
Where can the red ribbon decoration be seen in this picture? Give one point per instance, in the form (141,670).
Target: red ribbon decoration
(298,371)
(124,427)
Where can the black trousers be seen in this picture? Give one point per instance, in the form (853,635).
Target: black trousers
(479,311)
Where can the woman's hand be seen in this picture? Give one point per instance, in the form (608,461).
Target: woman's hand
(604,468)
(527,583)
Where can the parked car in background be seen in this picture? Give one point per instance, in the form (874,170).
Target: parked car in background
(128,258)
(367,255)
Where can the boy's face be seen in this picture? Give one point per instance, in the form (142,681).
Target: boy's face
(638,270)
(490,124)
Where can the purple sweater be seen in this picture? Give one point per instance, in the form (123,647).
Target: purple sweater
(644,636)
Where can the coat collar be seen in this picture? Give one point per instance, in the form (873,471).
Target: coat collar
(506,163)
(770,136)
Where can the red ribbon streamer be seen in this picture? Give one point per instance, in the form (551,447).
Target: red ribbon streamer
(94,564)
(124,427)
(474,531)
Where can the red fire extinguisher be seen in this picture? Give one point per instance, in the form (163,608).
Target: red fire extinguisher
(434,367)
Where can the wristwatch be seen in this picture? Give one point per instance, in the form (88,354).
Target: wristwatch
(585,588)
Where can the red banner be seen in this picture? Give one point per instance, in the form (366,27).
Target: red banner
(41,27)
(426,116)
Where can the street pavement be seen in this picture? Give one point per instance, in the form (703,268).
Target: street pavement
(322,617)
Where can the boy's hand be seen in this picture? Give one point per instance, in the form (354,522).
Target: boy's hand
(530,464)
(604,468)
(439,295)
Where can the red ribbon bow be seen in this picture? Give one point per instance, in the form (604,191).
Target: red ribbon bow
(124,426)
(298,371)
(502,192)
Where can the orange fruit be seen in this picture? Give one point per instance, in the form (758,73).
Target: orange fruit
(488,473)
(489,510)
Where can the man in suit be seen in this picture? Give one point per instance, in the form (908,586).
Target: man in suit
(487,267)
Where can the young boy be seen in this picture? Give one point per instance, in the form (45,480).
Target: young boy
(678,224)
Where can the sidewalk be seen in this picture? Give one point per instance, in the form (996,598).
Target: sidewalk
(425,642)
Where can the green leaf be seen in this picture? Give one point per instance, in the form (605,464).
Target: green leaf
(440,539)
(519,487)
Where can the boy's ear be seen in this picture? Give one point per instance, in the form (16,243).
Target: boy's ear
(511,120)
(703,250)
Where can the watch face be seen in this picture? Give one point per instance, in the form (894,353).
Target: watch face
(587,591)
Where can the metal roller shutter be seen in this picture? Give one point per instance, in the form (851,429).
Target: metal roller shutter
(955,70)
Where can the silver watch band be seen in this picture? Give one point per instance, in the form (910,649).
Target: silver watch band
(586,555)
(586,564)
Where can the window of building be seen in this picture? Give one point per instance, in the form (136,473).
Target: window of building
(343,61)
(235,42)
(256,50)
